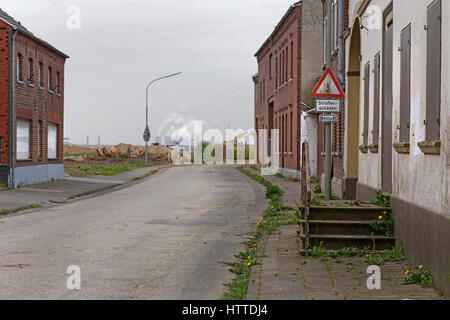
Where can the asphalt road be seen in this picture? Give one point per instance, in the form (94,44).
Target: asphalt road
(166,237)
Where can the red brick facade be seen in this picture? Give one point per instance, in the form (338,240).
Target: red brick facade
(36,97)
(4,34)
(278,92)
(40,104)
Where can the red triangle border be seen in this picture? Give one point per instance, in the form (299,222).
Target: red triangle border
(328,95)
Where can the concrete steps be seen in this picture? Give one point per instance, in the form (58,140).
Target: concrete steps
(342,226)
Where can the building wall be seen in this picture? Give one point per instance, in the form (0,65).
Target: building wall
(420,181)
(31,103)
(299,30)
(4,34)
(281,91)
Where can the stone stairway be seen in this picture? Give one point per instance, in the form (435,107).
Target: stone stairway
(342,225)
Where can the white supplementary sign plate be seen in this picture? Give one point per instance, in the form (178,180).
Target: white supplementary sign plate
(328,118)
(323,106)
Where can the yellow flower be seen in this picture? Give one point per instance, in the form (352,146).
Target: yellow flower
(249,264)
(380,217)
(421,266)
(249,257)
(271,207)
(406,272)
(321,243)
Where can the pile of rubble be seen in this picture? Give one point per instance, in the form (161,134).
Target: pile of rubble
(156,153)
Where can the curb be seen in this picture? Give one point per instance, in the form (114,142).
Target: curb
(85,194)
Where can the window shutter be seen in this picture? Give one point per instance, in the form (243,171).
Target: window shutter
(405,84)
(376,101)
(433,72)
(366,104)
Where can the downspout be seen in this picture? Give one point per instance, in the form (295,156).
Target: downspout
(12,109)
(341,43)
(329,40)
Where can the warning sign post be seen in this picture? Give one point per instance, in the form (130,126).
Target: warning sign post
(327,93)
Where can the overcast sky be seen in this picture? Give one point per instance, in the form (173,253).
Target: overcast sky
(122,45)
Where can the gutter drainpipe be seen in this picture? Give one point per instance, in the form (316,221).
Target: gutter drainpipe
(12,109)
(341,44)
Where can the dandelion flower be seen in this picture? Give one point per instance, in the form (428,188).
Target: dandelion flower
(421,266)
(249,257)
(380,217)
(249,264)
(406,272)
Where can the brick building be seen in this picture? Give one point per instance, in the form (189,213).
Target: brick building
(31,106)
(335,22)
(289,64)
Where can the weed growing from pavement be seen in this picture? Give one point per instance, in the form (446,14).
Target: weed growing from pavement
(274,216)
(371,258)
(419,275)
(385,224)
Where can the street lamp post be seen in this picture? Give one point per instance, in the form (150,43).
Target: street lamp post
(147,130)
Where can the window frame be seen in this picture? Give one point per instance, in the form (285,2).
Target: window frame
(19,68)
(50,79)
(50,156)
(18,145)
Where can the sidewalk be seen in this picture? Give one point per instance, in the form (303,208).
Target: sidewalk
(69,187)
(284,274)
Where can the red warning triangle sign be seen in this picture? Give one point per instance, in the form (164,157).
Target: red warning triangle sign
(328,87)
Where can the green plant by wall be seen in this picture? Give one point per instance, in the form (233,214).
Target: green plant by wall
(385,224)
(317,189)
(419,275)
(382,199)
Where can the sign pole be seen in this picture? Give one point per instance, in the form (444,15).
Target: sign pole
(329,89)
(328,162)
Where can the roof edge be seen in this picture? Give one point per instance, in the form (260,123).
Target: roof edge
(277,27)
(32,36)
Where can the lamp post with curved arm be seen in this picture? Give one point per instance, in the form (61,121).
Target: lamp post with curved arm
(147,130)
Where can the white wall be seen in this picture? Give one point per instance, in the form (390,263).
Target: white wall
(420,179)
(309,134)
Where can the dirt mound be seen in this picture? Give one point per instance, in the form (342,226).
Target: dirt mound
(77,149)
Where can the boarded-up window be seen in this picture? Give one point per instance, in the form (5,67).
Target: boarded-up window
(270,66)
(405,84)
(23,139)
(52,140)
(433,71)
(376,101)
(40,140)
(292,132)
(41,74)
(19,67)
(366,104)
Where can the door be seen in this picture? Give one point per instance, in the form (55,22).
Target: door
(386,152)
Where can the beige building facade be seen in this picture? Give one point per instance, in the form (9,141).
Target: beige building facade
(397,134)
